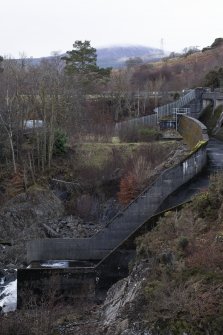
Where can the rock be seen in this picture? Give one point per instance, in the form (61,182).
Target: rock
(22,219)
(117,310)
(123,326)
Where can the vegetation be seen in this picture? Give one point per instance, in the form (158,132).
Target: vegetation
(91,165)
(133,61)
(139,134)
(36,114)
(82,59)
(60,142)
(178,72)
(214,78)
(183,291)
(210,117)
(82,62)
(217,43)
(39,118)
(50,317)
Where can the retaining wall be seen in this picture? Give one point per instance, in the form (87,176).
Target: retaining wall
(192,130)
(41,285)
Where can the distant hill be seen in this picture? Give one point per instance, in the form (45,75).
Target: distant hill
(116,56)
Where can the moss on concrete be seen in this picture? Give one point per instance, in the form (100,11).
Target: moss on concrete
(192,132)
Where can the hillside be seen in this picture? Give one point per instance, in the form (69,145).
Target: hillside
(175,286)
(178,72)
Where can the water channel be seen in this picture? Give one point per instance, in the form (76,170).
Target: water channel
(201,181)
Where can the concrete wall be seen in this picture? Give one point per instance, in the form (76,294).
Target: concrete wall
(36,286)
(136,213)
(216,98)
(192,130)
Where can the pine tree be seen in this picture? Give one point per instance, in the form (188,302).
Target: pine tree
(82,59)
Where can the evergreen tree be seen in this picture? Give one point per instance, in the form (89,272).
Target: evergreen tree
(82,59)
(1,62)
(214,78)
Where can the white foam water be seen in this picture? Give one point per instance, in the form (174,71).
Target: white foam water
(8,297)
(55,264)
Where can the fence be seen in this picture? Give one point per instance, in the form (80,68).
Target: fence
(160,112)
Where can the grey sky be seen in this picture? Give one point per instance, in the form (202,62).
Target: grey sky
(38,27)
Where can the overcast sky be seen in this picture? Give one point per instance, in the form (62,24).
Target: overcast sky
(38,27)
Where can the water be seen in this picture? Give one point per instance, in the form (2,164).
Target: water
(55,264)
(215,155)
(8,297)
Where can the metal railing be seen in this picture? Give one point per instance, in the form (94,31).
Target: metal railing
(159,112)
(180,103)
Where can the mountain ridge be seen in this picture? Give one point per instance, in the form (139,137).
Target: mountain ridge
(116,56)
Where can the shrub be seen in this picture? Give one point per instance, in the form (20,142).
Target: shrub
(206,257)
(141,169)
(128,134)
(202,206)
(60,142)
(151,288)
(138,134)
(217,42)
(148,134)
(176,96)
(207,204)
(183,242)
(127,189)
(135,180)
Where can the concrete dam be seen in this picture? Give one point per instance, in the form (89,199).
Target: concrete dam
(97,262)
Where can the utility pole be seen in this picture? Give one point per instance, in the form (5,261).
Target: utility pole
(138,102)
(162,45)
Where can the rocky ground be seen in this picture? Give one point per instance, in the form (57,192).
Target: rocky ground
(25,217)
(117,314)
(39,214)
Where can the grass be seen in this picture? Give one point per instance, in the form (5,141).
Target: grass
(96,155)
